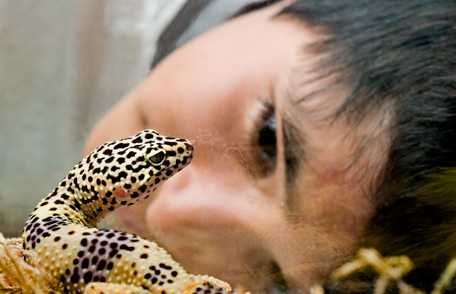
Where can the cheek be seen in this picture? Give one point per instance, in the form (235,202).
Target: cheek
(323,228)
(333,204)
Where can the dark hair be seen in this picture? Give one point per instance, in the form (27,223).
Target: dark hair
(402,54)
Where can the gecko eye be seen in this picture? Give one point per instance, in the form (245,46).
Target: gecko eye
(157,158)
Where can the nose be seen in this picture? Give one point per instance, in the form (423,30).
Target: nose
(181,197)
(198,198)
(189,146)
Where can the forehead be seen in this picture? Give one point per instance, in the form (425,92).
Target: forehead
(245,58)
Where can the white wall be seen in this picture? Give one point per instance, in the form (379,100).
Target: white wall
(62,64)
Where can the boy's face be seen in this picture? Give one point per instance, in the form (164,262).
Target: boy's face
(269,185)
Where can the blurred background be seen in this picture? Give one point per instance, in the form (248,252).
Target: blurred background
(62,65)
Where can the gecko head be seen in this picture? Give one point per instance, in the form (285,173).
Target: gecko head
(129,169)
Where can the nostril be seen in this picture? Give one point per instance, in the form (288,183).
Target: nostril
(189,147)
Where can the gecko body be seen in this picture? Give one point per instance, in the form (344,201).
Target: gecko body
(62,228)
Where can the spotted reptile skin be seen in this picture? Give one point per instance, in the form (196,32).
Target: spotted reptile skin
(62,228)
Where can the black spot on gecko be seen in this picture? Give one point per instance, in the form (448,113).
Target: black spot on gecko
(87,277)
(149,136)
(109,159)
(169,143)
(75,277)
(110,266)
(85,263)
(137,140)
(84,242)
(121,145)
(101,265)
(164,266)
(113,253)
(92,249)
(126,247)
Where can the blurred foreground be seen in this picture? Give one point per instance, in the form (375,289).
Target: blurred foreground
(19,276)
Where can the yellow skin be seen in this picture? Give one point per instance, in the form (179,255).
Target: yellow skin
(61,229)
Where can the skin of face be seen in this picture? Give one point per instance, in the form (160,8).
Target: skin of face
(220,216)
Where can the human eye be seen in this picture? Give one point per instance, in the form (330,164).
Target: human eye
(266,140)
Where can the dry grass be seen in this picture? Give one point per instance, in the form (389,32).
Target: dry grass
(389,270)
(20,274)
(17,275)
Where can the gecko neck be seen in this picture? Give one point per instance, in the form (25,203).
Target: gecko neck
(93,205)
(90,206)
(83,207)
